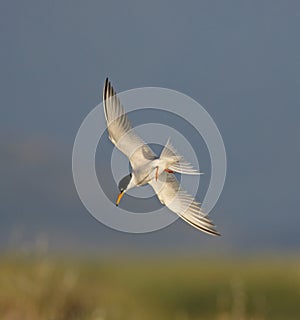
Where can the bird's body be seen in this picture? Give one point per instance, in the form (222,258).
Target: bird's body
(148,168)
(145,173)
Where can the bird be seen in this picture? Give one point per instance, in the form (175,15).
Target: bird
(148,168)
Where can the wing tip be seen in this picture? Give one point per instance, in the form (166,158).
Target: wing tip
(106,83)
(217,233)
(107,89)
(211,230)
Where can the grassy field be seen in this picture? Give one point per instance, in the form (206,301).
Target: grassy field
(159,288)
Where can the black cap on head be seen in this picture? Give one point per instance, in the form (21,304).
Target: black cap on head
(123,184)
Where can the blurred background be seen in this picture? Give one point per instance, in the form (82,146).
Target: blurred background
(241,61)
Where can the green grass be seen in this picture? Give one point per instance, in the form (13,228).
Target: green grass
(186,288)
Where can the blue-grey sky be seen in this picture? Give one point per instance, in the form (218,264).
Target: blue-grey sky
(240,60)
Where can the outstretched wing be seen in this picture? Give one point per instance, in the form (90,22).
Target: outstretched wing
(179,201)
(120,130)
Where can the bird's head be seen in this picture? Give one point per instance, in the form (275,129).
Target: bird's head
(124,185)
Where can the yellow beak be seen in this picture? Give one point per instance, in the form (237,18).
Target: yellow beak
(121,194)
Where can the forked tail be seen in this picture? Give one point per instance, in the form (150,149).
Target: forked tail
(170,161)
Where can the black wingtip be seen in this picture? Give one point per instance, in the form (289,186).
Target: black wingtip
(106,83)
(214,232)
(217,233)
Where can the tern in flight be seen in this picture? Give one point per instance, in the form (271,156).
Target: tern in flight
(147,167)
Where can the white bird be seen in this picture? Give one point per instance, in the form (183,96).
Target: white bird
(148,168)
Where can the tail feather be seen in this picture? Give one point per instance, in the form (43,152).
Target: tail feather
(176,162)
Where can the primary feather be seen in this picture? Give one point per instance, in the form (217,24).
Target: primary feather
(120,129)
(170,193)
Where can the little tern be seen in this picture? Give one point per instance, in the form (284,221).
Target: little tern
(147,167)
